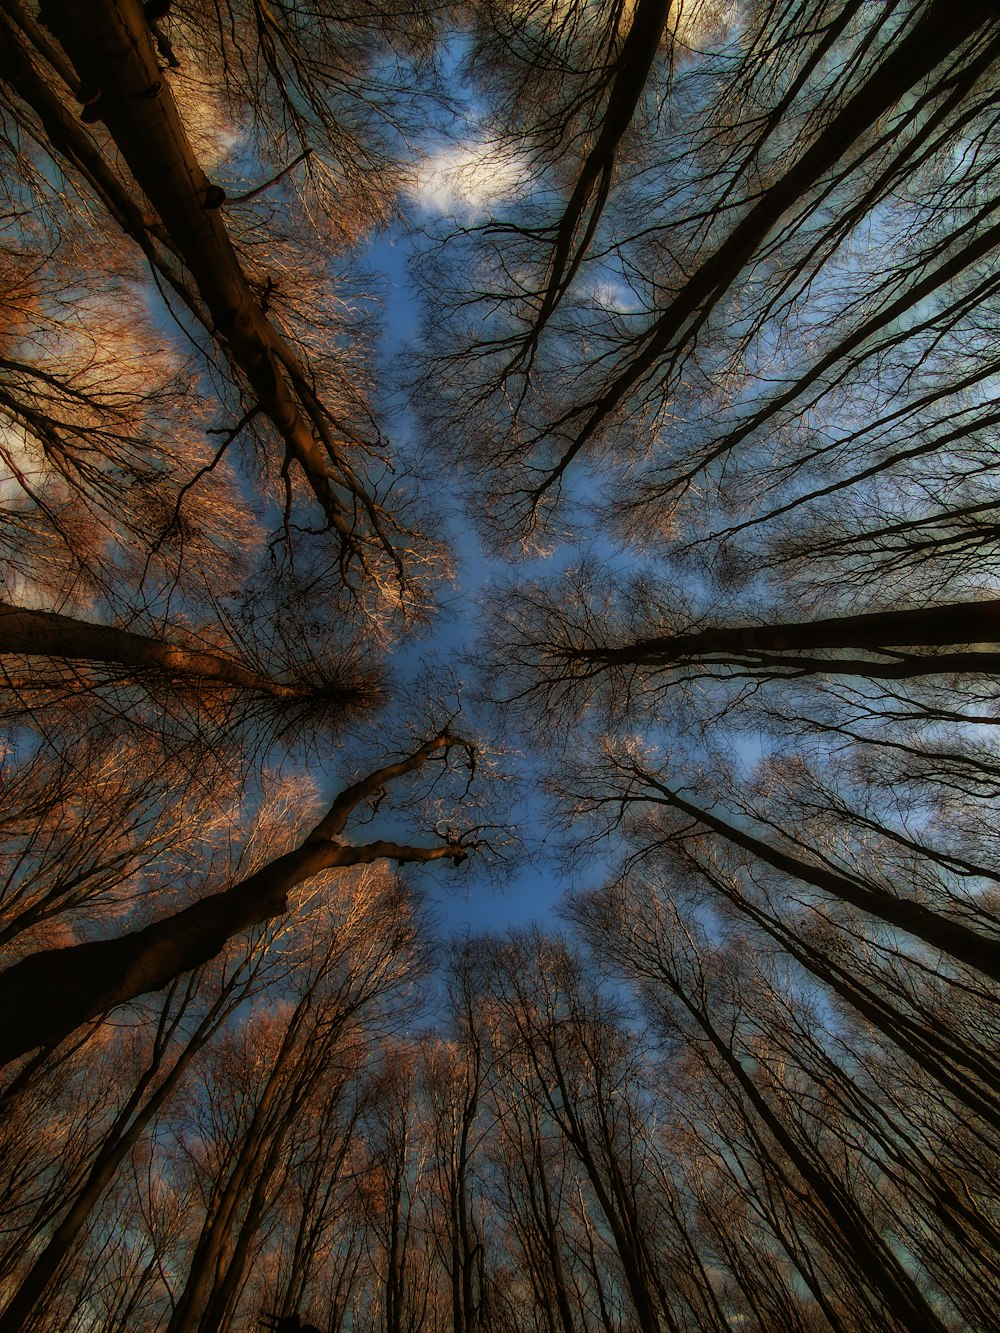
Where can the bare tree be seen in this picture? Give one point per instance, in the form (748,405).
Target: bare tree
(363,950)
(110,58)
(678,969)
(747,203)
(58,989)
(732,336)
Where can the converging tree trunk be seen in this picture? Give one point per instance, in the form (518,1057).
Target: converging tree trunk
(789,647)
(938,32)
(44,633)
(114,54)
(47,994)
(943,933)
(153,1087)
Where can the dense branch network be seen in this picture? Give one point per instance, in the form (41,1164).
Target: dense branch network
(728,355)
(57,990)
(174,213)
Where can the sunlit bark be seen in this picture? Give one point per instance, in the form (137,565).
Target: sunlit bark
(47,634)
(58,989)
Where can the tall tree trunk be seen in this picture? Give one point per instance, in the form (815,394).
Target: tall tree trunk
(111,47)
(124,1134)
(942,933)
(630,1255)
(966,1074)
(646,24)
(939,31)
(875,1262)
(252,1146)
(47,994)
(44,633)
(781,644)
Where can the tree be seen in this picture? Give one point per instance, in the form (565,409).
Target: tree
(42,633)
(750,183)
(454,1077)
(402,1285)
(110,57)
(177,1042)
(674,963)
(572,1057)
(364,948)
(61,988)
(221,703)
(574,643)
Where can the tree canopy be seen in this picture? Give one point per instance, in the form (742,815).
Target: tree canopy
(697,349)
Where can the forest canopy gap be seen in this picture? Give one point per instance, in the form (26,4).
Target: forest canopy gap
(499,643)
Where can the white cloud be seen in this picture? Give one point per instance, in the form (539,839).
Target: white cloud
(465,180)
(613,295)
